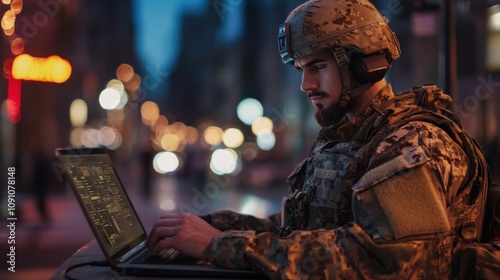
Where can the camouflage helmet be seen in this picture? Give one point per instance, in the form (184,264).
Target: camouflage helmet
(323,24)
(362,42)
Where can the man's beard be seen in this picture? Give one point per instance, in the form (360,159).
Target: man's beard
(330,115)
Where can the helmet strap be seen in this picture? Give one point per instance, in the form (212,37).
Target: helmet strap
(347,80)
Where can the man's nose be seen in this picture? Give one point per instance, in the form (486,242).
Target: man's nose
(308,82)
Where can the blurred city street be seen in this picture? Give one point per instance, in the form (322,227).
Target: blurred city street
(193,103)
(42,247)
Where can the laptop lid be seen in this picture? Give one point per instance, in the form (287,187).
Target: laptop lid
(103,199)
(114,220)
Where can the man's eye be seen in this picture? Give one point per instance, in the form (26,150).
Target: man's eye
(318,66)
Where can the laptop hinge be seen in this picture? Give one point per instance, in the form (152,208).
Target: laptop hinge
(132,252)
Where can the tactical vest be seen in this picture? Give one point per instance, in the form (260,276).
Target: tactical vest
(321,184)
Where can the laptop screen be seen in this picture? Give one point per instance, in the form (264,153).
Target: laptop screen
(104,201)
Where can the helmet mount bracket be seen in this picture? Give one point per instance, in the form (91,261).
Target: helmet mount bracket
(343,62)
(284,43)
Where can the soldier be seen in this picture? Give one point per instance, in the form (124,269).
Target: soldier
(392,183)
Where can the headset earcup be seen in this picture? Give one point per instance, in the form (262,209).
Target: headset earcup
(369,68)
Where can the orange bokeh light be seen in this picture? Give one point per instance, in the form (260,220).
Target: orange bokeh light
(52,69)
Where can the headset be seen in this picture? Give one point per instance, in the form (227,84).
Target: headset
(369,68)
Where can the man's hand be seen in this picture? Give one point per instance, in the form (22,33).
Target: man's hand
(185,232)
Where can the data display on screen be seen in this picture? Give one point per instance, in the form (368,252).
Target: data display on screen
(104,200)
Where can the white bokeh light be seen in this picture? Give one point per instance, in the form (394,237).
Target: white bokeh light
(165,162)
(118,85)
(109,99)
(224,161)
(249,109)
(123,100)
(266,140)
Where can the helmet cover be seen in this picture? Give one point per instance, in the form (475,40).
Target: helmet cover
(318,25)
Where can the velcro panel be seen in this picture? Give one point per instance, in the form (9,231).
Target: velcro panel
(325,174)
(406,203)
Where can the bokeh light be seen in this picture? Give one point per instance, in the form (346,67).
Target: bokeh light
(232,138)
(191,135)
(109,99)
(160,122)
(61,69)
(116,84)
(51,69)
(213,135)
(248,110)
(266,140)
(165,162)
(120,88)
(180,129)
(78,113)
(125,72)
(89,138)
(150,112)
(75,137)
(134,83)
(223,161)
(8,19)
(262,125)
(109,137)
(17,46)
(16,6)
(170,142)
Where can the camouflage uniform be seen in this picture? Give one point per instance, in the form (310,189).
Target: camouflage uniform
(372,201)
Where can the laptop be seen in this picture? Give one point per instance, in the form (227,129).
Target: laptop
(116,225)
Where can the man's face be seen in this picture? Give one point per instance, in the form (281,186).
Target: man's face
(322,82)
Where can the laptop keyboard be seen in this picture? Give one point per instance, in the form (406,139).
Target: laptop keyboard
(167,256)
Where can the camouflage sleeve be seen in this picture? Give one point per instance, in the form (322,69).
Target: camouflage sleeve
(229,220)
(344,253)
(400,219)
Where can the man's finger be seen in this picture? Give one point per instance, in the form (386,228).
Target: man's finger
(162,244)
(159,234)
(164,222)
